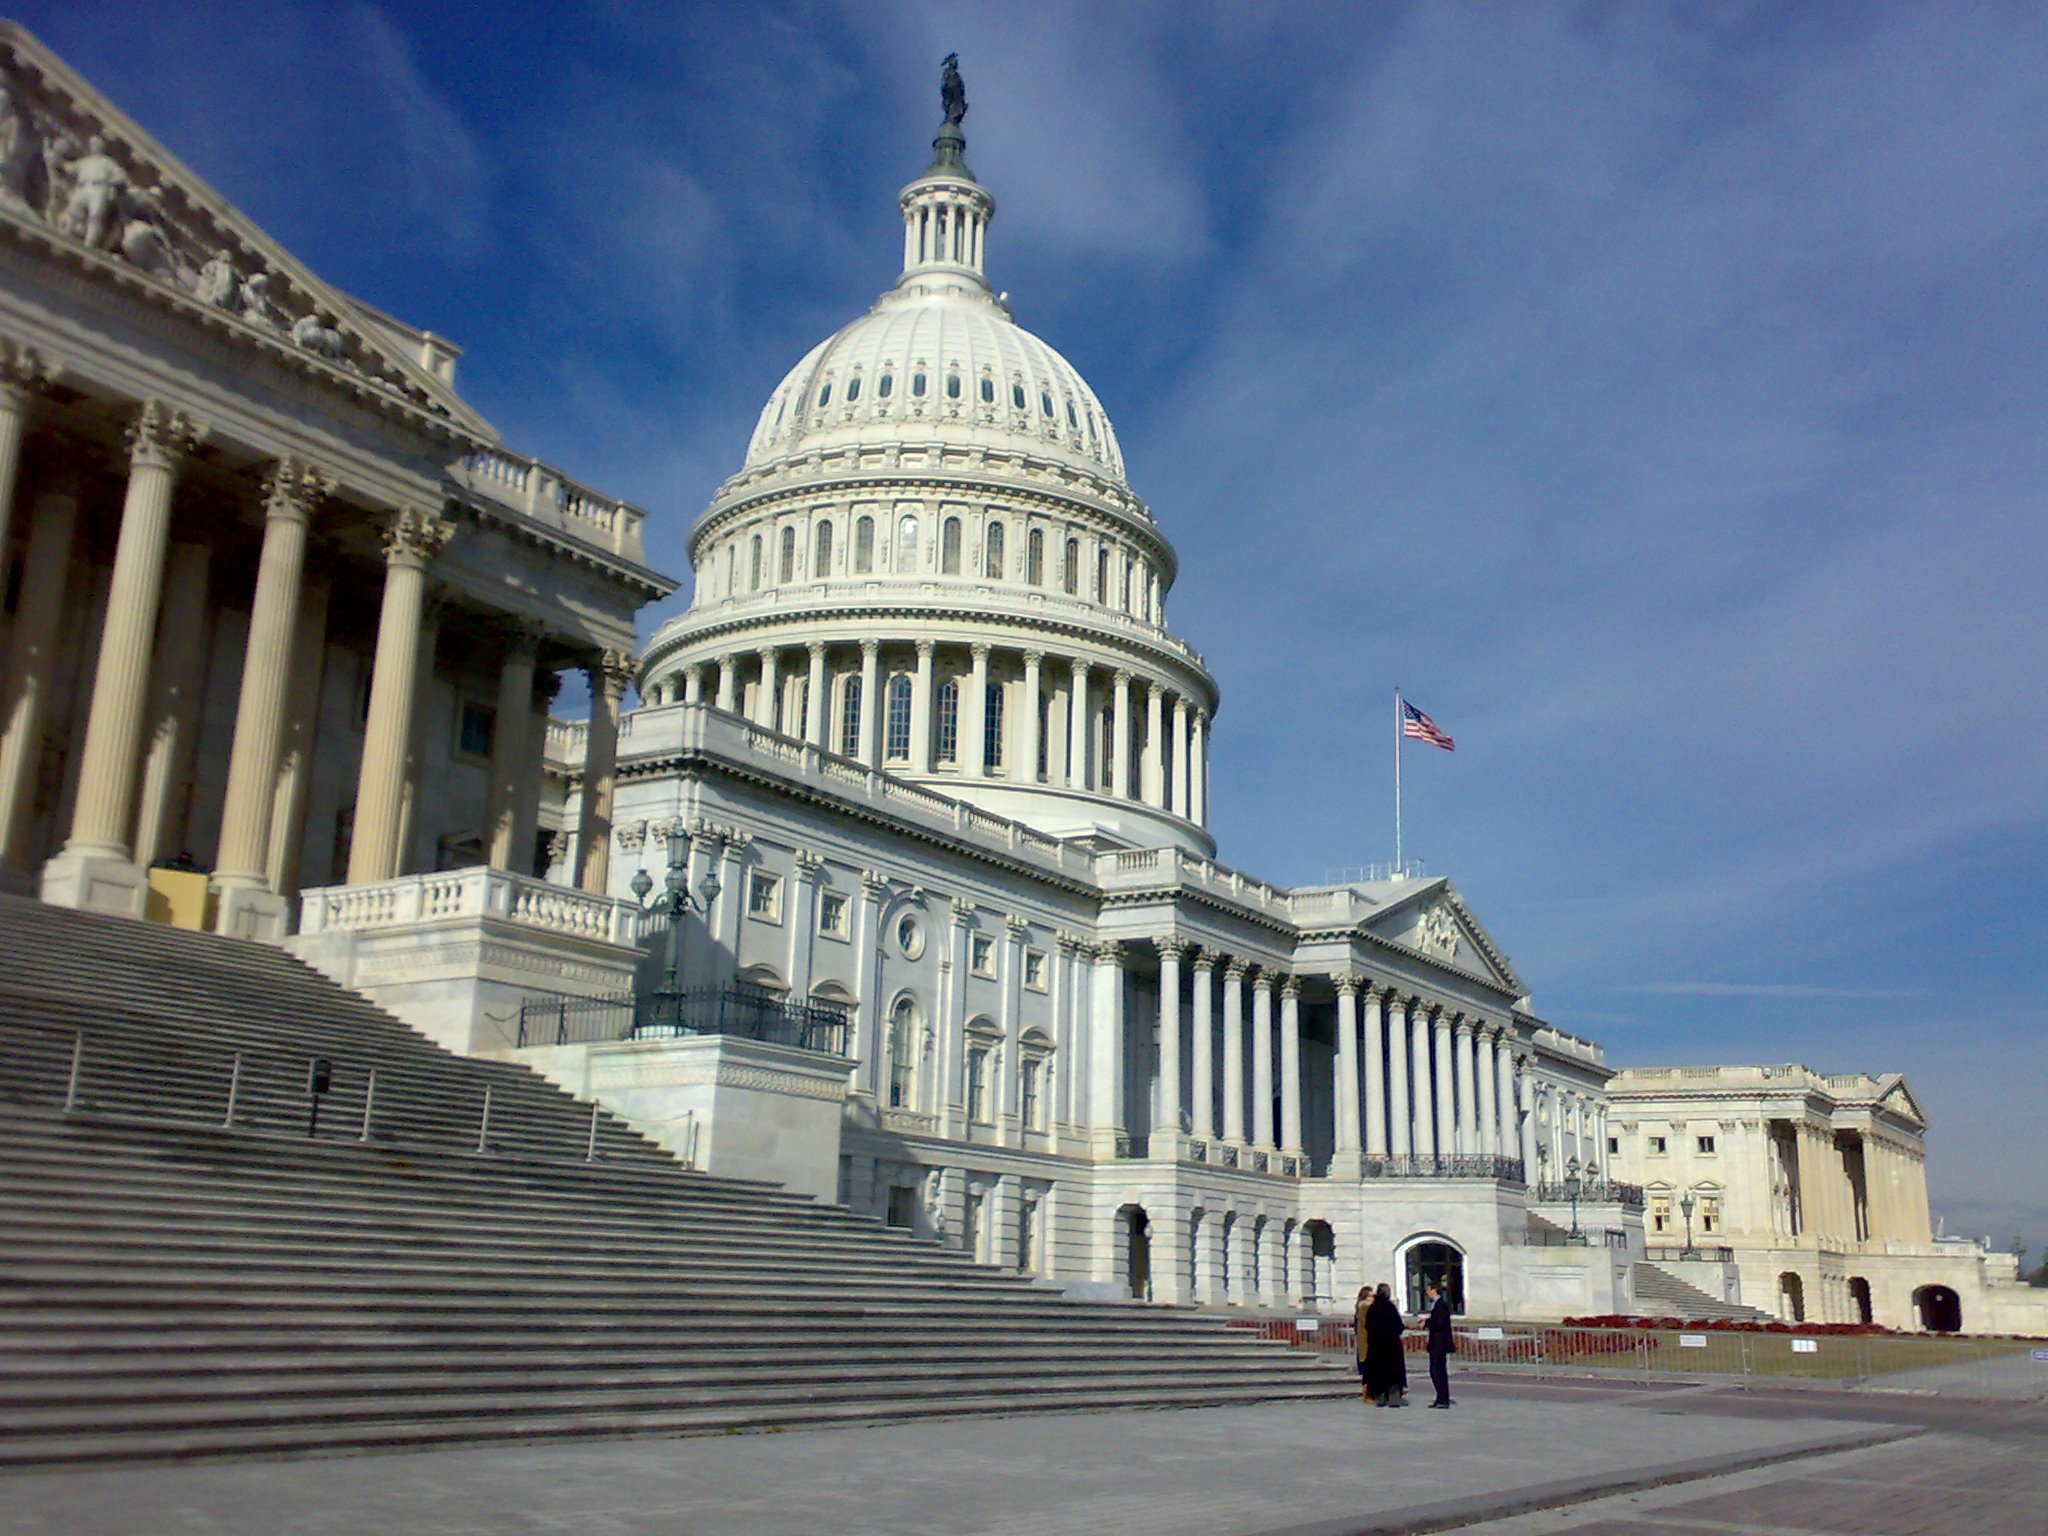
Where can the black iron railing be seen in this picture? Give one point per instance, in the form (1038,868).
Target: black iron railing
(1590,1192)
(748,1012)
(1425,1166)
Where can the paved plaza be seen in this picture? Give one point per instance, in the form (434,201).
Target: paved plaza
(1527,1457)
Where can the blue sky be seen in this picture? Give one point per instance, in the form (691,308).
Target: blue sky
(1654,392)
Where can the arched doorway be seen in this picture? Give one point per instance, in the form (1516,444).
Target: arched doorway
(1319,1261)
(1791,1297)
(1859,1298)
(1137,1237)
(1940,1309)
(1439,1263)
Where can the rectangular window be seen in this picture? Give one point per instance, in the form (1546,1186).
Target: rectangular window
(1657,1146)
(992,726)
(849,719)
(476,728)
(897,748)
(832,914)
(764,896)
(1028,1094)
(949,721)
(981,952)
(977,1084)
(1705,1145)
(1614,1146)
(1710,1215)
(1034,969)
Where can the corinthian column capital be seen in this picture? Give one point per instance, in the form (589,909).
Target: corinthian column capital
(24,370)
(294,489)
(612,671)
(159,437)
(413,536)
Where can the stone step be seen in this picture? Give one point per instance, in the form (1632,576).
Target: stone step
(1659,1293)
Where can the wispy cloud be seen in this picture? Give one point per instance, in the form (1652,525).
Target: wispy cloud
(1758,989)
(445,169)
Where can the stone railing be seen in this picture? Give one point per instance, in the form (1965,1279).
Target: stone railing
(544,495)
(1563,1043)
(453,895)
(1146,868)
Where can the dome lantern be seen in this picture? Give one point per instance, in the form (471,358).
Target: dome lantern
(946,212)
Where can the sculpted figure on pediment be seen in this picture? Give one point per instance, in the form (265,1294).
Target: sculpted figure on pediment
(143,241)
(1439,931)
(218,281)
(255,301)
(95,184)
(312,332)
(24,175)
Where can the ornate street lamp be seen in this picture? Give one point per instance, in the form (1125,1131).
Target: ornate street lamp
(1685,1207)
(1572,1187)
(673,902)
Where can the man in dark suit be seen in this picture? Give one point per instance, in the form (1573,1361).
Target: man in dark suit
(1441,1344)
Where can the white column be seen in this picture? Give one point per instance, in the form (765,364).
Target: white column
(769,699)
(1525,1095)
(1155,742)
(23,374)
(1400,1114)
(1509,1128)
(608,679)
(1198,772)
(94,869)
(1202,1088)
(243,864)
(1180,757)
(1077,726)
(693,684)
(32,665)
(1171,952)
(1346,1120)
(973,754)
(177,683)
(1290,1065)
(1463,1046)
(1106,1049)
(1233,1051)
(921,711)
(729,684)
(1120,769)
(817,699)
(1446,1089)
(509,745)
(1374,1049)
(871,705)
(1024,730)
(1262,1060)
(301,740)
(1424,1088)
(1487,1079)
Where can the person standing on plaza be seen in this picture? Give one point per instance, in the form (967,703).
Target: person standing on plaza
(1381,1365)
(1442,1345)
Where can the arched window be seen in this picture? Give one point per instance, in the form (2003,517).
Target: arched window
(903,1043)
(1102,576)
(1017,396)
(754,564)
(849,718)
(917,385)
(825,396)
(853,389)
(993,561)
(732,557)
(1073,421)
(1438,1264)
(906,542)
(897,747)
(992,726)
(988,390)
(1070,568)
(1045,400)
(949,547)
(949,720)
(1034,557)
(952,386)
(788,562)
(864,546)
(821,556)
(1127,584)
(887,387)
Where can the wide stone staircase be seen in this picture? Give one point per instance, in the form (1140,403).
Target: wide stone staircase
(462,1254)
(1659,1293)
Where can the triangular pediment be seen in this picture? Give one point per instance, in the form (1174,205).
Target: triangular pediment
(86,184)
(1898,1099)
(1435,922)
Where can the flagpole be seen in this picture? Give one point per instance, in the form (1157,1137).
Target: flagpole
(1397,783)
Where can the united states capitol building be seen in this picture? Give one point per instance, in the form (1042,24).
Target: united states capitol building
(895,883)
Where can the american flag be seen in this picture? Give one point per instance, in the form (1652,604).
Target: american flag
(1419,727)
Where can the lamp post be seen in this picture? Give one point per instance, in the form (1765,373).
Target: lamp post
(1571,1188)
(673,902)
(1685,1207)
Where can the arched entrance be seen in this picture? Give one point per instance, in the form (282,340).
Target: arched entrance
(1940,1309)
(1319,1262)
(1439,1263)
(1859,1298)
(1137,1242)
(1791,1297)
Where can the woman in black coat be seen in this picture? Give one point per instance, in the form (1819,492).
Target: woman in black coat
(1384,1368)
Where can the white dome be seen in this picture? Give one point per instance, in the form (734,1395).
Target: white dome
(938,362)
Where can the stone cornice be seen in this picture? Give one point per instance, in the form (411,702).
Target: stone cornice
(649,583)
